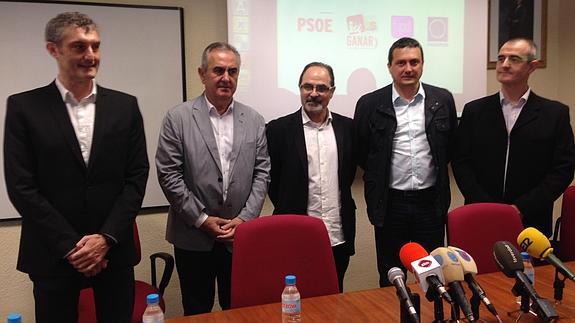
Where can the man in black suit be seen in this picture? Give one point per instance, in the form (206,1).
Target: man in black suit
(404,133)
(514,146)
(313,165)
(76,168)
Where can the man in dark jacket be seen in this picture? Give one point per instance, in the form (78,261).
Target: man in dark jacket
(313,164)
(514,146)
(404,133)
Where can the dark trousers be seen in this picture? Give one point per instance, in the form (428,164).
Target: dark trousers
(198,272)
(56,298)
(409,218)
(341,258)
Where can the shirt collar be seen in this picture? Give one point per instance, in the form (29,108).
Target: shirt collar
(306,120)
(395,95)
(67,96)
(523,98)
(212,109)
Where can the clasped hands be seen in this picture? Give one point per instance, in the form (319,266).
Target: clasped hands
(88,256)
(221,229)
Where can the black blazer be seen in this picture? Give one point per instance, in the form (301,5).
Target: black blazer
(59,198)
(289,184)
(541,156)
(375,125)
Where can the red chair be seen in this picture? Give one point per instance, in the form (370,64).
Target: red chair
(565,226)
(269,248)
(476,227)
(86,303)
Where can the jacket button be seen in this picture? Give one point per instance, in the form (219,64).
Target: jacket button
(219,179)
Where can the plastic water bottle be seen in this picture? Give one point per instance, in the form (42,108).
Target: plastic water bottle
(528,269)
(291,303)
(153,312)
(14,318)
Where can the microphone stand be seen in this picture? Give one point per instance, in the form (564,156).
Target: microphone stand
(454,308)
(404,313)
(519,290)
(434,297)
(558,286)
(475,301)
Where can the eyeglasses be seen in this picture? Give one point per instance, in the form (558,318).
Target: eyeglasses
(512,59)
(320,88)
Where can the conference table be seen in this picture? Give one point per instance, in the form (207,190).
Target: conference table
(382,305)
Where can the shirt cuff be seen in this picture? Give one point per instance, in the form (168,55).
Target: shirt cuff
(203,217)
(110,240)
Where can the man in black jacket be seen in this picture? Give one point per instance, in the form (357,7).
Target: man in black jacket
(514,146)
(313,163)
(76,167)
(404,133)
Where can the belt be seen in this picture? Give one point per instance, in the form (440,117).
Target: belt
(424,193)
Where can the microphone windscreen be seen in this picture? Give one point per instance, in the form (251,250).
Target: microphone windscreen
(395,272)
(507,258)
(411,252)
(467,263)
(449,263)
(534,242)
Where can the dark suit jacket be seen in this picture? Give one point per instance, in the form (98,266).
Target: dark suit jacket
(375,125)
(289,184)
(541,156)
(59,198)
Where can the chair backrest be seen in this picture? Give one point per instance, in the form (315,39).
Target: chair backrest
(476,227)
(269,248)
(567,229)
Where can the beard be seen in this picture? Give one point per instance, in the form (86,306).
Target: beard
(313,105)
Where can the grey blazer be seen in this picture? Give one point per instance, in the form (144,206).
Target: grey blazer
(190,173)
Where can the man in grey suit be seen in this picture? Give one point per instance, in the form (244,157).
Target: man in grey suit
(213,167)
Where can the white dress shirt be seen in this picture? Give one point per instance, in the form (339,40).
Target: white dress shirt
(323,190)
(82,115)
(510,114)
(412,165)
(223,128)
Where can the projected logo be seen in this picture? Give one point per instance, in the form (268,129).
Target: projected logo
(437,29)
(401,26)
(361,32)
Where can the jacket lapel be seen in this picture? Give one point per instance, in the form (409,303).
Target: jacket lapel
(529,112)
(202,120)
(296,128)
(239,135)
(103,105)
(338,131)
(431,105)
(60,113)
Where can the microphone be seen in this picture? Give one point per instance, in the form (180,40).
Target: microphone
(509,261)
(453,274)
(425,268)
(396,276)
(537,245)
(469,271)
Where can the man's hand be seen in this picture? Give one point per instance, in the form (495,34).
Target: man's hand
(214,226)
(231,230)
(88,257)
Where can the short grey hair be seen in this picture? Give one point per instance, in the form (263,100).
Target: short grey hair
(56,27)
(218,46)
(532,55)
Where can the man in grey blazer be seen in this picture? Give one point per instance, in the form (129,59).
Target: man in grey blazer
(213,167)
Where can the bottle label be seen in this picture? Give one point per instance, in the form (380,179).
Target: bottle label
(291,307)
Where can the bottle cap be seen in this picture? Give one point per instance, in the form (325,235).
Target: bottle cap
(525,255)
(14,318)
(152,299)
(290,280)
